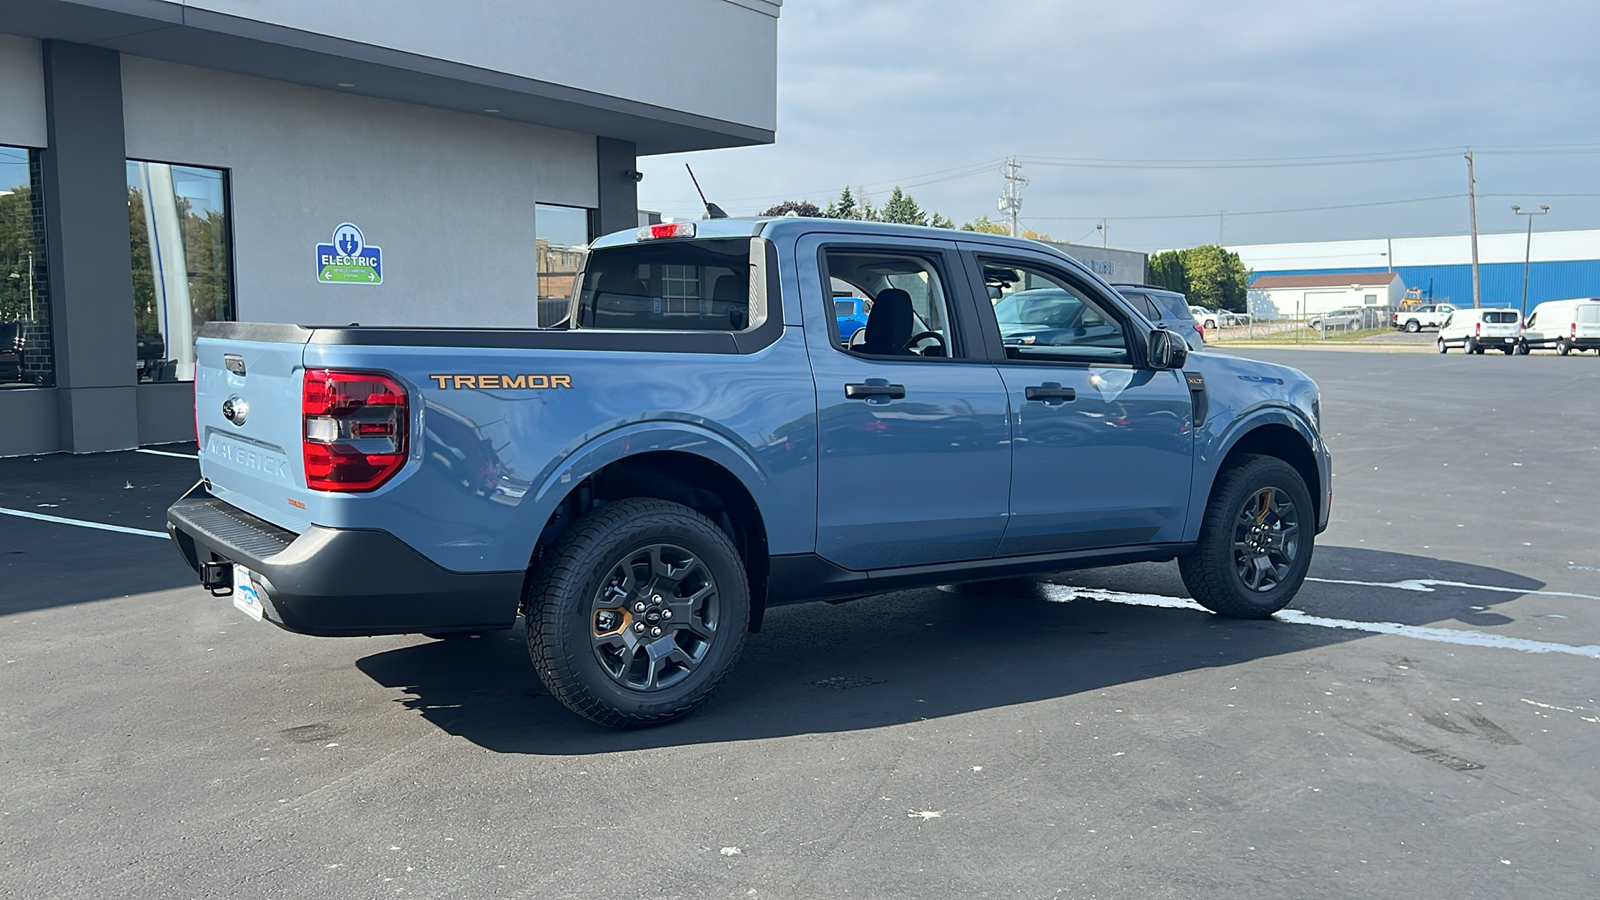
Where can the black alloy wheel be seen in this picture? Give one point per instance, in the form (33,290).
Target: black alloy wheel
(637,612)
(1266,539)
(655,616)
(1255,542)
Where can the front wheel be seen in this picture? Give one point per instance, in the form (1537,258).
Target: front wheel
(1442,347)
(1255,541)
(637,613)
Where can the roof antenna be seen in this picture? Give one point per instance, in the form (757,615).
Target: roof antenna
(713,211)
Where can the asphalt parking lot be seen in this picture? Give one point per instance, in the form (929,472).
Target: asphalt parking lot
(1424,722)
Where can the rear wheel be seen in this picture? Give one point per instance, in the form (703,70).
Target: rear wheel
(637,613)
(1413,326)
(1255,541)
(1563,348)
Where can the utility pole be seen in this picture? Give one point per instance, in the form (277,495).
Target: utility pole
(1222,228)
(1527,256)
(1472,206)
(1103,228)
(1011,200)
(1390,255)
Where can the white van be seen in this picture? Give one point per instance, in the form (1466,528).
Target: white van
(1563,325)
(1477,330)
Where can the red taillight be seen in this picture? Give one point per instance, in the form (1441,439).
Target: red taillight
(1477,328)
(355,427)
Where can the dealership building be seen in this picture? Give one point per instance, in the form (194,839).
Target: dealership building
(1311,278)
(164,164)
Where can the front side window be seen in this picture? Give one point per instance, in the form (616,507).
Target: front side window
(904,300)
(561,236)
(668,286)
(1044,317)
(178,232)
(26,358)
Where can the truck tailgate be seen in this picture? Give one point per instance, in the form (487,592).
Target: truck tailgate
(247,416)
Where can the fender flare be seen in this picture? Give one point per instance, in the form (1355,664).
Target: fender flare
(580,462)
(1209,459)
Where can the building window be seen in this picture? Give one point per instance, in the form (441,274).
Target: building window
(182,263)
(562,236)
(26,359)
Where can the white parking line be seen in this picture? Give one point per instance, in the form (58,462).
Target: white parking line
(1064,594)
(1426,585)
(98,526)
(167,453)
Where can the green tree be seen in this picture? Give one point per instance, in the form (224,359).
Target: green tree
(1166,270)
(938,221)
(799,207)
(982,224)
(1217,279)
(902,209)
(844,207)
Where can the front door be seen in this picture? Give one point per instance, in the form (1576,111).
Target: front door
(914,444)
(1102,451)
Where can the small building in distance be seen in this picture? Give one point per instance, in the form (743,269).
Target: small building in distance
(1298,296)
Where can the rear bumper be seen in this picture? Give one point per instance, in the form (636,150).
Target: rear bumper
(341,582)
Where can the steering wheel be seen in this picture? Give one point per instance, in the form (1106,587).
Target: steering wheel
(925,335)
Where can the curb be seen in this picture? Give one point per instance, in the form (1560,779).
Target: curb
(1362,348)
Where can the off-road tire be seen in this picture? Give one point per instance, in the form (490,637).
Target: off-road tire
(1210,573)
(560,614)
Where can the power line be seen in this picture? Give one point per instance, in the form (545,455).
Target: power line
(1257,212)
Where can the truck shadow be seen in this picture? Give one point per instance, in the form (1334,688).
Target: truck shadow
(927,654)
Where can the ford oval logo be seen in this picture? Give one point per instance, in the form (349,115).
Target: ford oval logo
(234,409)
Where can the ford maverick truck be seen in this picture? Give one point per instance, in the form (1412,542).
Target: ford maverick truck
(699,443)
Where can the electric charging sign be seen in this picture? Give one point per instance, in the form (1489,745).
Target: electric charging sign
(349,259)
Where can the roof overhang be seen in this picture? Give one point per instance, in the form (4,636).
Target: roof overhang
(211,40)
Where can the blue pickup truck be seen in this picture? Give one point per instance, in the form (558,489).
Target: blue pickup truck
(697,444)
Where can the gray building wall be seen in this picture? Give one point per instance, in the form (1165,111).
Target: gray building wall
(1115,266)
(449,197)
(22,119)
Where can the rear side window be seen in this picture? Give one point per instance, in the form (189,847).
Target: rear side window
(668,286)
(1500,316)
(1173,306)
(1589,314)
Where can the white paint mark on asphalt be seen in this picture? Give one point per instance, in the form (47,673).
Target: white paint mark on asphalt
(167,453)
(925,814)
(1426,585)
(1064,594)
(732,851)
(98,526)
(1579,711)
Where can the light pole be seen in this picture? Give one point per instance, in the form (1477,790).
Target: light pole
(1527,256)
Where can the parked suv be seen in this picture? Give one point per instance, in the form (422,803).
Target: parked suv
(1476,330)
(1346,317)
(1166,308)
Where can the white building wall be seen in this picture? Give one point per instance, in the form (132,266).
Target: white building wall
(22,116)
(709,57)
(449,197)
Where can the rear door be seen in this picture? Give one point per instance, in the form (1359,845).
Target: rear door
(914,462)
(247,412)
(1102,447)
(1585,323)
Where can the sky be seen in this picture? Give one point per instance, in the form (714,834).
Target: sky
(1177,122)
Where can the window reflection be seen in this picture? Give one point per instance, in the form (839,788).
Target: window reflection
(182,277)
(561,235)
(25,350)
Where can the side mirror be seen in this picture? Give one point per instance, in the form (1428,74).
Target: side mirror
(1167,350)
